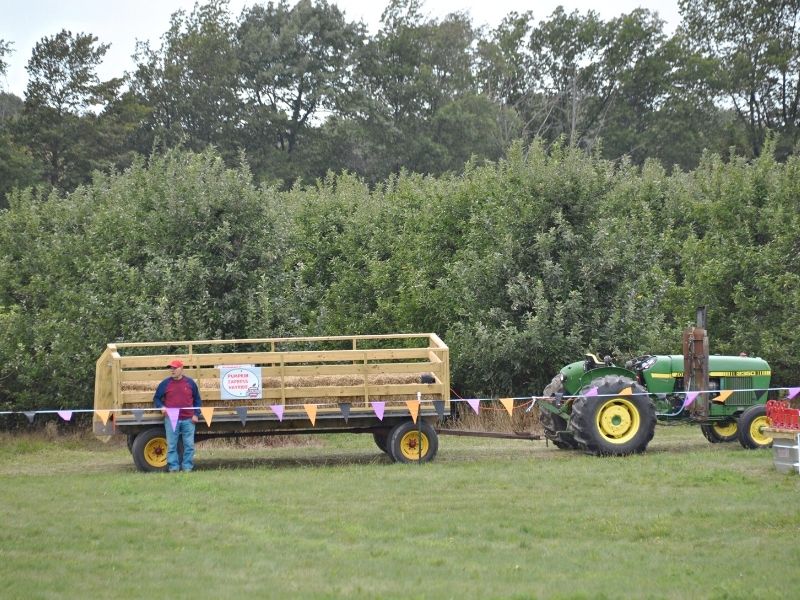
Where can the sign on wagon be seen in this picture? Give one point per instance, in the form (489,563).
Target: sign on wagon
(239,382)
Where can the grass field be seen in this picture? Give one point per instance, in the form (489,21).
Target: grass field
(331,518)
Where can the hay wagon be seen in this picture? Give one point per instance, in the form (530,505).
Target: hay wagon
(391,386)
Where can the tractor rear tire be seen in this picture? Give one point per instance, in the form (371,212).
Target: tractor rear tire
(553,423)
(721,431)
(611,423)
(410,443)
(751,425)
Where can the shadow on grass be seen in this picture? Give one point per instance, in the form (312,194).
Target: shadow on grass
(291,462)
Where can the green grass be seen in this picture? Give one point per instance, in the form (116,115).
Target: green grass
(333,518)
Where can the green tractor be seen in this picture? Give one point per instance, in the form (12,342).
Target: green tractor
(605,409)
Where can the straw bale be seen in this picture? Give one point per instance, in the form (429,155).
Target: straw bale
(297,383)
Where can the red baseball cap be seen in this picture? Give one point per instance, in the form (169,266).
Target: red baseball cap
(175,364)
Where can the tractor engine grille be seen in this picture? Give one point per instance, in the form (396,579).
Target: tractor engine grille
(740,398)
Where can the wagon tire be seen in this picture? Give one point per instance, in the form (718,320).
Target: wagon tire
(412,443)
(149,450)
(381,437)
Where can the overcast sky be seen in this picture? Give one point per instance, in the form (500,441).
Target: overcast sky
(122,22)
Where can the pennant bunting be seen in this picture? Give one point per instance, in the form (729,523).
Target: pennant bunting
(208,414)
(590,393)
(476,405)
(627,391)
(439,406)
(508,403)
(345,408)
(723,396)
(31,414)
(413,408)
(138,414)
(103,414)
(379,407)
(690,397)
(242,412)
(760,393)
(173,413)
(278,410)
(65,414)
(311,411)
(793,391)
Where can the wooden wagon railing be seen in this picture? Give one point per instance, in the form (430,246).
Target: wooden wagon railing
(325,371)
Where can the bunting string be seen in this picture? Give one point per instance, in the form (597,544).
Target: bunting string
(508,404)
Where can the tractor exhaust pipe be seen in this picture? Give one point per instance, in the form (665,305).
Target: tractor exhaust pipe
(695,363)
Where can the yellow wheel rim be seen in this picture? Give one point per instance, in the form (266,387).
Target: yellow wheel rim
(726,429)
(155,452)
(757,431)
(410,445)
(618,420)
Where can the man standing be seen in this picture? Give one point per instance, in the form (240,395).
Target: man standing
(179,391)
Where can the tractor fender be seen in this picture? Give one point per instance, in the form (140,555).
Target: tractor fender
(590,376)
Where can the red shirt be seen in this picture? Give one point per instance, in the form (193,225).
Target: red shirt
(172,393)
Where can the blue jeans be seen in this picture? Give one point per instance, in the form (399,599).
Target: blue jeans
(184,431)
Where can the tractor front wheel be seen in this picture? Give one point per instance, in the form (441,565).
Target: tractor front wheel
(721,431)
(751,428)
(618,418)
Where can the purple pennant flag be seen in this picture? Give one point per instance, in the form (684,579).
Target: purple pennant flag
(378,407)
(591,392)
(476,405)
(65,414)
(242,412)
(690,397)
(793,391)
(172,413)
(345,408)
(278,410)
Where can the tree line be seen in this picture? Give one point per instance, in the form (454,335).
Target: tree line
(521,265)
(298,91)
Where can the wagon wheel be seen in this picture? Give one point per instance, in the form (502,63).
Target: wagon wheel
(409,443)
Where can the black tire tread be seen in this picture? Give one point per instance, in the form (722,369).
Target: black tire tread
(584,409)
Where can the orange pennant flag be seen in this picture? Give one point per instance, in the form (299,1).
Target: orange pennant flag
(311,410)
(723,396)
(627,391)
(509,405)
(208,414)
(413,408)
(103,414)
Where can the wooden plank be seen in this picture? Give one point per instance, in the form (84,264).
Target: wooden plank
(269,358)
(433,339)
(155,375)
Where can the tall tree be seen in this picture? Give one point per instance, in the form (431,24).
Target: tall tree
(295,66)
(5,48)
(753,45)
(190,83)
(17,168)
(62,93)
